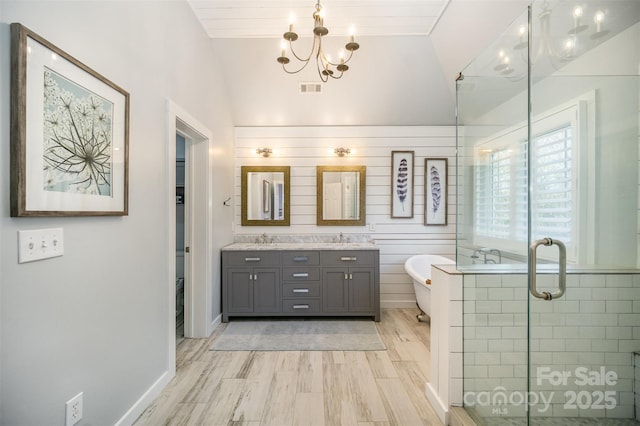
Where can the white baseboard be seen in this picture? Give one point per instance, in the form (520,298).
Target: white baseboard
(145,400)
(441,410)
(214,324)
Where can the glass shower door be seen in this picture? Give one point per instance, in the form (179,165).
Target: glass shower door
(582,154)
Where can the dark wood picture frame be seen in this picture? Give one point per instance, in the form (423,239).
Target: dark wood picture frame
(69,134)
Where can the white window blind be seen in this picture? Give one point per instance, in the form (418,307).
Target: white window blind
(502,189)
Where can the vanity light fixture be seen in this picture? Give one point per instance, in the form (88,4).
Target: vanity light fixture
(265,152)
(341,152)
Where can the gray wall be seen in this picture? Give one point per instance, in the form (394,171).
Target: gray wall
(97,319)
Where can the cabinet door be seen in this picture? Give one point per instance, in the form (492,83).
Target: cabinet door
(266,290)
(239,290)
(361,290)
(335,290)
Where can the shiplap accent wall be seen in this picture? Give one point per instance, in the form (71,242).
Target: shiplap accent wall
(304,148)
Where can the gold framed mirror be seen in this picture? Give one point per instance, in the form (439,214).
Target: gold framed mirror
(340,195)
(265,193)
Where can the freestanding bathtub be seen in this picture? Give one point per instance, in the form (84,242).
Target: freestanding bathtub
(419,269)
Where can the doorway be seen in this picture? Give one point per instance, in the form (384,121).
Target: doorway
(189,228)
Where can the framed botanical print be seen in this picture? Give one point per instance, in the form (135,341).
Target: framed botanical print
(69,134)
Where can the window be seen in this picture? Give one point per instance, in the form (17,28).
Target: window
(501,193)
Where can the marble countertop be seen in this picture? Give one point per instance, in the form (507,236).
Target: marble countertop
(300,246)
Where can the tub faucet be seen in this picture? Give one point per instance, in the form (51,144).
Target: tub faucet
(487,251)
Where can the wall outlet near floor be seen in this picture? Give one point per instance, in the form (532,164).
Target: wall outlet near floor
(74,410)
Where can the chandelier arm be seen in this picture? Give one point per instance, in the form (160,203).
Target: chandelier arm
(313,48)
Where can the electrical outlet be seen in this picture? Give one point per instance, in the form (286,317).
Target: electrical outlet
(74,410)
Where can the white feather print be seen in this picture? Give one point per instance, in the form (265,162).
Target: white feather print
(401,181)
(436,191)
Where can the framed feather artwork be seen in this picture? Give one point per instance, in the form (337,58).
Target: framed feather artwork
(435,191)
(402,184)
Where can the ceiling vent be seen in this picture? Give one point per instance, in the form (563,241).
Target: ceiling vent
(310,88)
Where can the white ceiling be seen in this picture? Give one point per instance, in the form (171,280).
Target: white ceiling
(403,74)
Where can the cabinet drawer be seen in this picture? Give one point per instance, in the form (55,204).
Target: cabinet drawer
(347,258)
(252,258)
(293,258)
(301,306)
(300,274)
(301,290)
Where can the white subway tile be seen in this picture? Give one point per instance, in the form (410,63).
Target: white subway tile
(516,281)
(488,306)
(619,306)
(605,293)
(566,306)
(619,280)
(587,332)
(514,332)
(628,319)
(501,294)
(511,358)
(592,307)
(488,358)
(591,358)
(500,345)
(488,281)
(604,345)
(580,293)
(514,306)
(500,371)
(579,345)
(588,280)
(565,332)
(490,333)
(476,345)
(560,358)
(552,345)
(475,319)
(618,359)
(498,319)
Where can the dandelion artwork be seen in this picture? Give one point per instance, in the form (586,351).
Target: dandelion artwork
(435,176)
(77,138)
(69,134)
(402,184)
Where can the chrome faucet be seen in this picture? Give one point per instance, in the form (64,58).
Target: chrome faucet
(262,239)
(341,238)
(487,251)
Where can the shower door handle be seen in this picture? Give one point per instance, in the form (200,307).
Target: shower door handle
(562,266)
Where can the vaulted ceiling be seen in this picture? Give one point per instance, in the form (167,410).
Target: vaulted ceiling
(403,74)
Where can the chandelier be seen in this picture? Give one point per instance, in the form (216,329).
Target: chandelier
(557,55)
(326,68)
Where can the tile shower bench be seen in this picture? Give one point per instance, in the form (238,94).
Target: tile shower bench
(300,279)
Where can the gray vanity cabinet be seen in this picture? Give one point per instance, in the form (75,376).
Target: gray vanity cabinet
(252,283)
(300,283)
(350,282)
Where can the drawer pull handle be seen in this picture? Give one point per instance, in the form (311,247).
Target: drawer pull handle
(300,258)
(252,259)
(300,306)
(301,290)
(300,274)
(349,258)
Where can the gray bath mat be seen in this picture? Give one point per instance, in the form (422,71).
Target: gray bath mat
(294,335)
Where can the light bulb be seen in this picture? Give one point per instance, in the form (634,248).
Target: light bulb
(598,17)
(577,12)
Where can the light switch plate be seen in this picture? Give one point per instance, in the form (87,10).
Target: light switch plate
(38,244)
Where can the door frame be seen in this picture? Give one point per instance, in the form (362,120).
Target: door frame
(198,293)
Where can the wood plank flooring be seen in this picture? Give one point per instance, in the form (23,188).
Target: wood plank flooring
(296,388)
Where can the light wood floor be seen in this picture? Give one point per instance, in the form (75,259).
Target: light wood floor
(302,388)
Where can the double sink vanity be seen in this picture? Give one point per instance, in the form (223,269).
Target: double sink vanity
(312,275)
(300,279)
